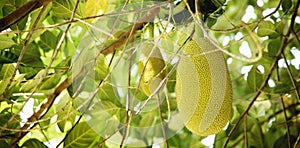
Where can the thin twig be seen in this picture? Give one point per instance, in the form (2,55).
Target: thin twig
(296,144)
(245,132)
(286,123)
(291,77)
(283,106)
(128,104)
(162,122)
(126,130)
(116,131)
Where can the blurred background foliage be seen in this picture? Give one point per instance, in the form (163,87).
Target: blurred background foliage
(52,57)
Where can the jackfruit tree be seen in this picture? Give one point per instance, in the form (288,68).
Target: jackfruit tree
(149,73)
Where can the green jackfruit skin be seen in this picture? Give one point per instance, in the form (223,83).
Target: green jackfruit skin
(203,88)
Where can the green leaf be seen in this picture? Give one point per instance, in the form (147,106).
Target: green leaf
(219,139)
(9,7)
(6,73)
(81,136)
(29,72)
(107,92)
(286,5)
(32,56)
(34,15)
(255,136)
(147,119)
(260,108)
(266,28)
(111,126)
(64,64)
(282,88)
(281,27)
(3,143)
(172,103)
(273,47)
(283,141)
(28,85)
(63,9)
(31,62)
(64,108)
(48,41)
(51,82)
(110,107)
(101,113)
(8,57)
(5,115)
(172,79)
(33,143)
(140,95)
(254,79)
(101,68)
(6,42)
(210,21)
(147,123)
(2,3)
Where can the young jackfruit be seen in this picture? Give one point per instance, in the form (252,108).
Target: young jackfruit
(203,88)
(154,69)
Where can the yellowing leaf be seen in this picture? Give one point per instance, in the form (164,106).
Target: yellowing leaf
(95,7)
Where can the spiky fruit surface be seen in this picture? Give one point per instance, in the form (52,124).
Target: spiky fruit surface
(154,70)
(203,88)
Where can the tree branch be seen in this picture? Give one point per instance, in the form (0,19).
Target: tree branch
(129,35)
(20,13)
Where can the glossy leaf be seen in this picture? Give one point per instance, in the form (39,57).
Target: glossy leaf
(6,42)
(33,143)
(81,136)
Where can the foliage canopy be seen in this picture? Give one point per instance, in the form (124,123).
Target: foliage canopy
(69,73)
